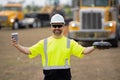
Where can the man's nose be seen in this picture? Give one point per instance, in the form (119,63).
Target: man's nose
(57,27)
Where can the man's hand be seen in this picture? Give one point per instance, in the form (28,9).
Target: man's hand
(14,42)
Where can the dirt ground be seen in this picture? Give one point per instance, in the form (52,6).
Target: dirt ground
(100,65)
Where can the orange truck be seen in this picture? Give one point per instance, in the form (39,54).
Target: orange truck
(10,15)
(95,20)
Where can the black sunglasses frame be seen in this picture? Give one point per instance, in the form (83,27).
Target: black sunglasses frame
(57,25)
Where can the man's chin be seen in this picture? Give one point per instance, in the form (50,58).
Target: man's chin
(57,32)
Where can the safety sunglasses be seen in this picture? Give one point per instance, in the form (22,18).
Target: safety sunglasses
(57,25)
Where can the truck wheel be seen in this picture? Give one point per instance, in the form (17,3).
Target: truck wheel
(114,42)
(34,25)
(15,25)
(0,27)
(119,31)
(39,24)
(119,35)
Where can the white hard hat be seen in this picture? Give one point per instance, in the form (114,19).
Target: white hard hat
(57,18)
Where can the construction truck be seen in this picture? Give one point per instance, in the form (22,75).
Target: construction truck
(45,15)
(10,15)
(47,11)
(95,20)
(53,7)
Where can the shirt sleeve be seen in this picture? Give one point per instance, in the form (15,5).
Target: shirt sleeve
(36,49)
(77,49)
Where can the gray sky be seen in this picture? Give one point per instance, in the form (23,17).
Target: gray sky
(37,2)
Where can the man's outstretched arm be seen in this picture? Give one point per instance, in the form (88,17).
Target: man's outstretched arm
(21,48)
(88,50)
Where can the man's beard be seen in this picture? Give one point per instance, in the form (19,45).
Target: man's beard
(57,32)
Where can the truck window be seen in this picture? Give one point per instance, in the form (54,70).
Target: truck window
(87,2)
(12,8)
(101,2)
(95,2)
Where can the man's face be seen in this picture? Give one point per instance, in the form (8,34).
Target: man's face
(57,28)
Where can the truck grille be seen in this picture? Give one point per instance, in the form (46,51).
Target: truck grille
(91,20)
(3,18)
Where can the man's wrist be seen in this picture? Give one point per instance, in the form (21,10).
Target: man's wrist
(16,45)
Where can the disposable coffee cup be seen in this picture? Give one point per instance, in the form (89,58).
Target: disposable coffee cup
(15,36)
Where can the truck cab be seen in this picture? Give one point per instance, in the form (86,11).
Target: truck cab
(10,15)
(95,20)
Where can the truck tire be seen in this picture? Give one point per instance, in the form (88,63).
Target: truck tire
(119,35)
(34,25)
(0,27)
(15,25)
(39,24)
(119,31)
(114,42)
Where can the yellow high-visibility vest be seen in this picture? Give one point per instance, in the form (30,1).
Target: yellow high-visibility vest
(56,53)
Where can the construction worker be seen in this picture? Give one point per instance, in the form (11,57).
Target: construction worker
(55,51)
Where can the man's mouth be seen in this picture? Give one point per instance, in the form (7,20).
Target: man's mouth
(57,31)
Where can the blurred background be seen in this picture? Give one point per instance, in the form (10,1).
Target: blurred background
(86,21)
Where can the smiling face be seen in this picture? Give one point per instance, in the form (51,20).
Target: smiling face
(57,28)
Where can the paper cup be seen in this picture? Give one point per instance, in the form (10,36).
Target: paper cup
(15,36)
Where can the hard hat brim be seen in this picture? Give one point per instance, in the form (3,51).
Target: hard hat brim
(57,22)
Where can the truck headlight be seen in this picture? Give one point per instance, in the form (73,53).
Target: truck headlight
(12,20)
(108,24)
(75,25)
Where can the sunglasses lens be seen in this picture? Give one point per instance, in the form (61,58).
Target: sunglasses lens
(55,26)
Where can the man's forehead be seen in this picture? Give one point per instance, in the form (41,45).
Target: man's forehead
(57,23)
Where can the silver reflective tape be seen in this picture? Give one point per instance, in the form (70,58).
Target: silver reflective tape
(66,62)
(45,51)
(68,43)
(56,67)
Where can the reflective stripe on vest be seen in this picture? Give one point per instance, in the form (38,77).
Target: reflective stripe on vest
(46,67)
(56,67)
(45,51)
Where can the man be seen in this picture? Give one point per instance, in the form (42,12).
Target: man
(55,51)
